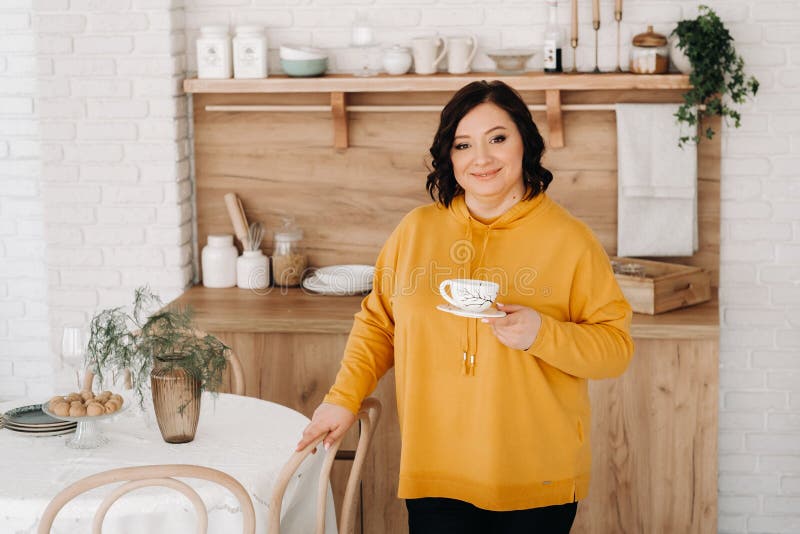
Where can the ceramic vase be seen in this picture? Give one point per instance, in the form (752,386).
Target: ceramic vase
(679,59)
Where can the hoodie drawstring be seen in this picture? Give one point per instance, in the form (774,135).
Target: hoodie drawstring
(469,356)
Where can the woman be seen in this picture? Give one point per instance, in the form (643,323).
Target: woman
(494,412)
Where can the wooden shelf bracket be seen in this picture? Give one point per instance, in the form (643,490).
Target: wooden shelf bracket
(554,118)
(339,110)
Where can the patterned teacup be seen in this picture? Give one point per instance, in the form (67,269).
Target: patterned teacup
(468,294)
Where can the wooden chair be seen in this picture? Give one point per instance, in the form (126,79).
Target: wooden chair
(237,377)
(151,475)
(368,415)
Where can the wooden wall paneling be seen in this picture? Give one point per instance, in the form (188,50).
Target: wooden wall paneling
(654,443)
(348,202)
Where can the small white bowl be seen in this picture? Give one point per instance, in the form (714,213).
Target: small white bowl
(510,60)
(301,52)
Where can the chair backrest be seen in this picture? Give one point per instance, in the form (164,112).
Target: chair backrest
(368,415)
(237,377)
(151,475)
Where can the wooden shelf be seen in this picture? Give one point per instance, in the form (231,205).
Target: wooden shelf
(295,311)
(532,81)
(339,85)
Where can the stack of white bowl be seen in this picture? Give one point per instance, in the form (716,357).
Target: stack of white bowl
(303,61)
(341,280)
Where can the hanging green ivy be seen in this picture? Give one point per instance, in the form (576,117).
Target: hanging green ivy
(717,70)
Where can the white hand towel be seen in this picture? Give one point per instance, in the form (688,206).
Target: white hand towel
(657,183)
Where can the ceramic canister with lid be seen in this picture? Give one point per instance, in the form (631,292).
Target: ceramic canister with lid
(214,52)
(218,261)
(249,52)
(649,53)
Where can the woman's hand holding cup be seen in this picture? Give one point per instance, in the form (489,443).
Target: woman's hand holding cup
(518,329)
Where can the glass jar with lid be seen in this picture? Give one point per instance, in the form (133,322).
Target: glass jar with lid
(649,53)
(289,260)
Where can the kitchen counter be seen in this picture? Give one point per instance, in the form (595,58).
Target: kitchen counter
(293,310)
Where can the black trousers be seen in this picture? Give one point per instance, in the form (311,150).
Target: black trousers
(435,515)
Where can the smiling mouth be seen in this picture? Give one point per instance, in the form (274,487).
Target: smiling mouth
(487,174)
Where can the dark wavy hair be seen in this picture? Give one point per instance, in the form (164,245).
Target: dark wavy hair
(442,185)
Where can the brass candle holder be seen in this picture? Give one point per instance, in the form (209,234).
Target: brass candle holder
(596,26)
(574,43)
(618,18)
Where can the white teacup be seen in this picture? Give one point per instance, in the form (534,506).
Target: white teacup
(468,294)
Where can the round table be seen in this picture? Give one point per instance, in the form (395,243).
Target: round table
(250,439)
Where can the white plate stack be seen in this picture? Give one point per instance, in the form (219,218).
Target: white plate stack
(31,420)
(341,280)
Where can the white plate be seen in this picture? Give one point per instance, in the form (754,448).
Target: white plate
(46,433)
(488,313)
(346,277)
(313,284)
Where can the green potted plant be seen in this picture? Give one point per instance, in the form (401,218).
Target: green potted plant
(716,71)
(165,348)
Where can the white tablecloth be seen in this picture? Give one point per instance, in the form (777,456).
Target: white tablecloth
(250,439)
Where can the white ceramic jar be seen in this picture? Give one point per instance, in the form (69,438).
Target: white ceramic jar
(249,52)
(252,270)
(218,261)
(214,53)
(397,60)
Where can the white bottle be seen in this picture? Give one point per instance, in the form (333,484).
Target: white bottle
(252,270)
(214,53)
(249,52)
(218,261)
(552,39)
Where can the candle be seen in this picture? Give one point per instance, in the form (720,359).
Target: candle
(595,12)
(574,20)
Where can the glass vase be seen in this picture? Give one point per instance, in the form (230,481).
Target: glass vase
(176,400)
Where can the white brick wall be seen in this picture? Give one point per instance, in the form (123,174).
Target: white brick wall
(110,180)
(25,357)
(109,198)
(93,162)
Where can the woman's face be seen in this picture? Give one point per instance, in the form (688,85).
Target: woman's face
(487,155)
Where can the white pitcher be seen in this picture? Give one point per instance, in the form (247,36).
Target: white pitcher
(425,59)
(461,53)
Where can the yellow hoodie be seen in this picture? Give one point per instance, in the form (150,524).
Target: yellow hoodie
(511,430)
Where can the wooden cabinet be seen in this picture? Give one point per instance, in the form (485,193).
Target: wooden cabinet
(654,437)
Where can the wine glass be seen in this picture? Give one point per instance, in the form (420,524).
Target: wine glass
(73,347)
(362,37)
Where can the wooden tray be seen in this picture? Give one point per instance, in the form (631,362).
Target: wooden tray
(664,286)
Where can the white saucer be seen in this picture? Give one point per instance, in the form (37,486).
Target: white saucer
(488,313)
